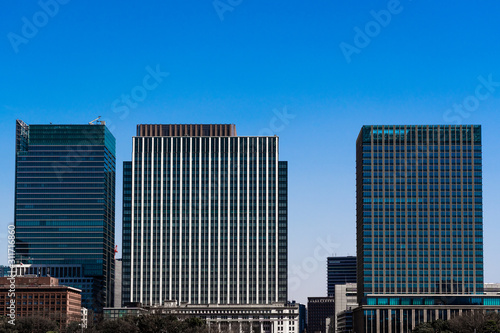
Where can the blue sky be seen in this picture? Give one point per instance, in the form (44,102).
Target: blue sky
(422,62)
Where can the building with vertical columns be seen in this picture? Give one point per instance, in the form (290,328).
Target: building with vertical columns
(419,225)
(204,217)
(265,318)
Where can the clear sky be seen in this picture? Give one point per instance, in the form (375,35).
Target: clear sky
(312,72)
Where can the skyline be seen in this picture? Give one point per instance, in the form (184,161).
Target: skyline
(260,59)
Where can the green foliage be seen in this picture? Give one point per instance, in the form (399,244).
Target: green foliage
(35,325)
(441,326)
(491,326)
(477,322)
(152,323)
(438,326)
(424,328)
(118,326)
(73,327)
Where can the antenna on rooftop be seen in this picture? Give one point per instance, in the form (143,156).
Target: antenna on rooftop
(96,121)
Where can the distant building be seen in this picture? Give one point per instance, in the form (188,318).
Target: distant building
(492,289)
(318,310)
(130,309)
(345,321)
(4,270)
(345,303)
(330,325)
(302,318)
(340,270)
(41,296)
(85,317)
(118,283)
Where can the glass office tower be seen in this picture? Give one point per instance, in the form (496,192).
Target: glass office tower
(205,217)
(340,270)
(65,201)
(419,210)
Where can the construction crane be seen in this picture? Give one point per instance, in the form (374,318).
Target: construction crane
(96,121)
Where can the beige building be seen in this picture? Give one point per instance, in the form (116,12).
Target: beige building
(345,302)
(492,289)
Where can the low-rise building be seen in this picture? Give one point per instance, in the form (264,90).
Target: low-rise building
(401,313)
(39,296)
(492,289)
(345,322)
(345,302)
(115,313)
(264,318)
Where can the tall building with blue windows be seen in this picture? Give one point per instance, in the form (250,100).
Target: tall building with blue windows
(419,224)
(65,203)
(204,217)
(340,270)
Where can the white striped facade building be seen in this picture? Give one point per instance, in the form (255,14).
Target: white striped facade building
(204,217)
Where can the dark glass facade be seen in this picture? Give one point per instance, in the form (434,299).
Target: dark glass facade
(419,210)
(318,309)
(205,220)
(68,275)
(65,201)
(340,270)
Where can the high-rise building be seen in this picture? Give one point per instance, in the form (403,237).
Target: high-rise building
(205,217)
(340,270)
(65,201)
(419,210)
(419,224)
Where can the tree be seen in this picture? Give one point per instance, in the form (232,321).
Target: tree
(441,326)
(121,325)
(35,324)
(424,328)
(491,326)
(73,327)
(194,325)
(437,326)
(5,327)
(476,322)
